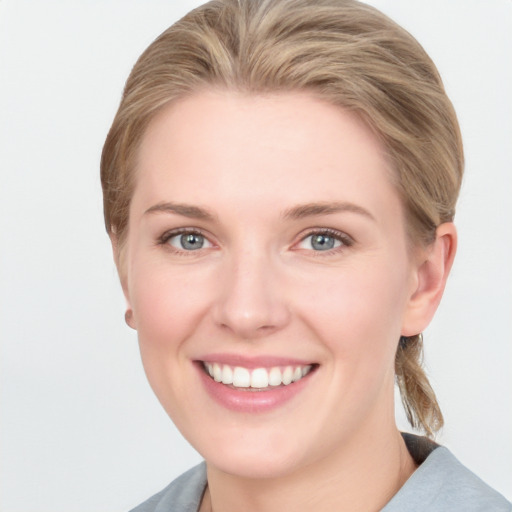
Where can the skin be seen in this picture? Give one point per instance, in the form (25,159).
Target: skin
(259,287)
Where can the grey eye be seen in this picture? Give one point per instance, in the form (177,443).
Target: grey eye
(189,241)
(320,242)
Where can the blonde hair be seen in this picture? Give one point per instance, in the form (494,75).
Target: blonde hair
(343,51)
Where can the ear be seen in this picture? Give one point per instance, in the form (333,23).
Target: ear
(433,264)
(120,262)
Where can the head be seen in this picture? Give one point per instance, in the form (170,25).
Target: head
(343,53)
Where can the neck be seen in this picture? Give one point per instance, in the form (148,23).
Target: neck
(361,476)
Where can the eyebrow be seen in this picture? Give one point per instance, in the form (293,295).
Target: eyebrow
(296,213)
(314,209)
(186,210)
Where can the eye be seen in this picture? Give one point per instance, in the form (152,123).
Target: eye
(187,241)
(324,241)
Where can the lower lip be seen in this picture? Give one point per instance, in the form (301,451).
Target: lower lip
(250,399)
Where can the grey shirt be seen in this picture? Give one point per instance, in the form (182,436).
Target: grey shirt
(441,484)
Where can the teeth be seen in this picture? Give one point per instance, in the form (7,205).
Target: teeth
(241,377)
(287,375)
(227,374)
(217,372)
(259,378)
(297,374)
(275,378)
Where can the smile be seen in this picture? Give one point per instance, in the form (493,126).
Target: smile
(257,378)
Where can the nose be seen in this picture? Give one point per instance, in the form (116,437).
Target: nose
(250,302)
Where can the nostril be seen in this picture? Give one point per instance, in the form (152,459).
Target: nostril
(247,331)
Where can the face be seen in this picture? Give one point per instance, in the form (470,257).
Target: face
(269,275)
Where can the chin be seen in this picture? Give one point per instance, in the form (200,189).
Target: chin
(257,465)
(251,452)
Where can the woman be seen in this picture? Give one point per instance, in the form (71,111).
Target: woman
(279,186)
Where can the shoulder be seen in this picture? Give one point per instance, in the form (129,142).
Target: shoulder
(183,494)
(442,483)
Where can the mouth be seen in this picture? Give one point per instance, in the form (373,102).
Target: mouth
(254,384)
(256,379)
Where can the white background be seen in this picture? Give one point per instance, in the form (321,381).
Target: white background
(80,429)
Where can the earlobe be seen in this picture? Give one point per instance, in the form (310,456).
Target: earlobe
(128,318)
(432,273)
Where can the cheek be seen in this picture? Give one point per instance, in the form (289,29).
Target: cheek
(168,305)
(358,311)
(358,318)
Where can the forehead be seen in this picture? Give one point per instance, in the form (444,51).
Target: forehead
(277,149)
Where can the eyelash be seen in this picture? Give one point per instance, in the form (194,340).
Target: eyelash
(345,240)
(164,239)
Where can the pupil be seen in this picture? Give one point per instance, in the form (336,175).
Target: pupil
(322,242)
(191,241)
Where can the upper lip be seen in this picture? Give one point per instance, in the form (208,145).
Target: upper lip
(263,361)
